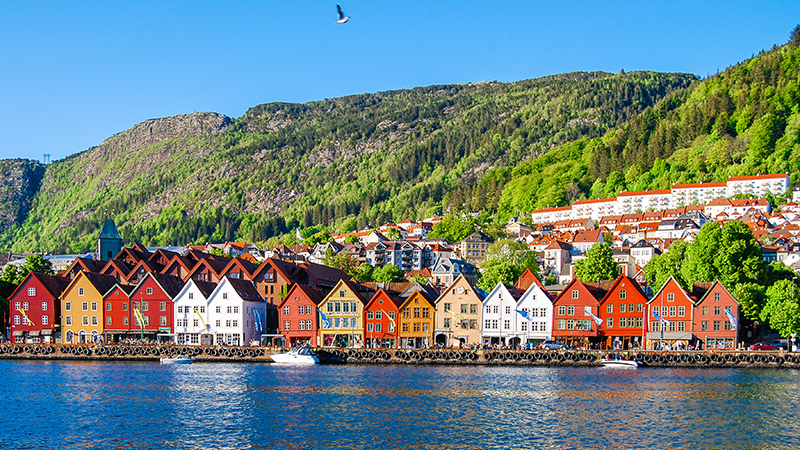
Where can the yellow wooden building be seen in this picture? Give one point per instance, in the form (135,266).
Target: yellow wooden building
(416,321)
(344,309)
(458,315)
(82,308)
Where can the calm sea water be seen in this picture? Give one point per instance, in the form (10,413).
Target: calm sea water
(58,405)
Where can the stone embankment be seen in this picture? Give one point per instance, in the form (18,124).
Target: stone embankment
(729,359)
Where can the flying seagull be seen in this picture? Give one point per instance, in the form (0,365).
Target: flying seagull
(342,17)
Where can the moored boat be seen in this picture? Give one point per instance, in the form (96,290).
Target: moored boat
(180,359)
(621,363)
(302,355)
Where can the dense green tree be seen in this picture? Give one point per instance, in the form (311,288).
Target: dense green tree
(363,272)
(388,274)
(35,263)
(453,228)
(668,264)
(598,265)
(342,261)
(419,279)
(782,308)
(500,272)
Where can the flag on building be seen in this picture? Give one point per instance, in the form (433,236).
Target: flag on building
(524,314)
(660,319)
(391,319)
(731,318)
(298,235)
(325,322)
(588,312)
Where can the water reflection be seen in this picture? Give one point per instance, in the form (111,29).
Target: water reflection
(209,406)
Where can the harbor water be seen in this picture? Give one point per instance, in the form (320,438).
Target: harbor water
(55,404)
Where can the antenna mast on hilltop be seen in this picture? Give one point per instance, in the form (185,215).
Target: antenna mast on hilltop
(46,159)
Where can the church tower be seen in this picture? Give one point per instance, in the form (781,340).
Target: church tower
(109,243)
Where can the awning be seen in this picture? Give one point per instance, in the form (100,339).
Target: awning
(18,333)
(33,333)
(47,332)
(670,336)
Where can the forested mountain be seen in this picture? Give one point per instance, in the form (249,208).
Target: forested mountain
(344,162)
(743,121)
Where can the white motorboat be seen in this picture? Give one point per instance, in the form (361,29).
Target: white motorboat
(180,359)
(302,355)
(619,363)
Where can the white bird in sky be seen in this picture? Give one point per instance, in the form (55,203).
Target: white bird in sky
(342,17)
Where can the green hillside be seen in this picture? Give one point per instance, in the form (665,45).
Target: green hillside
(344,162)
(743,121)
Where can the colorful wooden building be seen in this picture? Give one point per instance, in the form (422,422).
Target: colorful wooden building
(35,309)
(715,328)
(192,325)
(82,305)
(298,319)
(573,323)
(344,307)
(416,318)
(622,311)
(499,316)
(669,317)
(381,316)
(458,314)
(152,298)
(119,314)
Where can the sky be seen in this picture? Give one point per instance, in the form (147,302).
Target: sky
(73,73)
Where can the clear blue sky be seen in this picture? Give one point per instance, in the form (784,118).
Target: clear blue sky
(73,73)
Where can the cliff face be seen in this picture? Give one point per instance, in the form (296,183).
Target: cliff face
(21,180)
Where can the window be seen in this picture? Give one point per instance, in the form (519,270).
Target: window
(345,307)
(562,310)
(416,326)
(447,322)
(67,306)
(162,306)
(81,292)
(610,308)
(405,327)
(224,295)
(228,323)
(67,320)
(229,309)
(236,310)
(46,321)
(25,306)
(337,307)
(447,307)
(370,315)
(162,320)
(416,313)
(623,322)
(379,315)
(705,310)
(506,324)
(219,309)
(301,325)
(654,326)
(145,306)
(670,297)
(285,325)
(391,315)
(378,328)
(218,323)
(124,306)
(124,320)
(85,306)
(464,308)
(473,309)
(717,310)
(716,325)
(94,306)
(561,324)
(570,324)
(370,327)
(425,313)
(191,295)
(672,311)
(716,296)
(17,305)
(681,326)
(681,311)
(149,291)
(406,313)
(508,310)
(108,320)
(639,307)
(639,322)
(622,308)
(85,320)
(570,310)
(488,324)
(575,293)
(44,306)
(623,294)
(341,294)
(108,306)
(31,292)
(610,322)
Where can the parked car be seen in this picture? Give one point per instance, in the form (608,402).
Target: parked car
(763,346)
(782,344)
(553,345)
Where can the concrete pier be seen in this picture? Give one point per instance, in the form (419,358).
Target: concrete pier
(696,359)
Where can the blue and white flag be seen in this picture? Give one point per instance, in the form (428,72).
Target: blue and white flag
(524,314)
(731,318)
(259,327)
(598,320)
(660,319)
(325,322)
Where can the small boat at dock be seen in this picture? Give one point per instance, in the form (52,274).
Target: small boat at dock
(180,359)
(302,355)
(619,363)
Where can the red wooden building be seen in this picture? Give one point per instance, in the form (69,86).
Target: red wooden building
(380,319)
(298,318)
(35,308)
(571,323)
(675,308)
(118,314)
(152,297)
(711,324)
(622,311)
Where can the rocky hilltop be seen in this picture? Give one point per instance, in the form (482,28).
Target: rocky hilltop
(21,181)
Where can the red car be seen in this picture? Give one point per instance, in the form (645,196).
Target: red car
(763,346)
